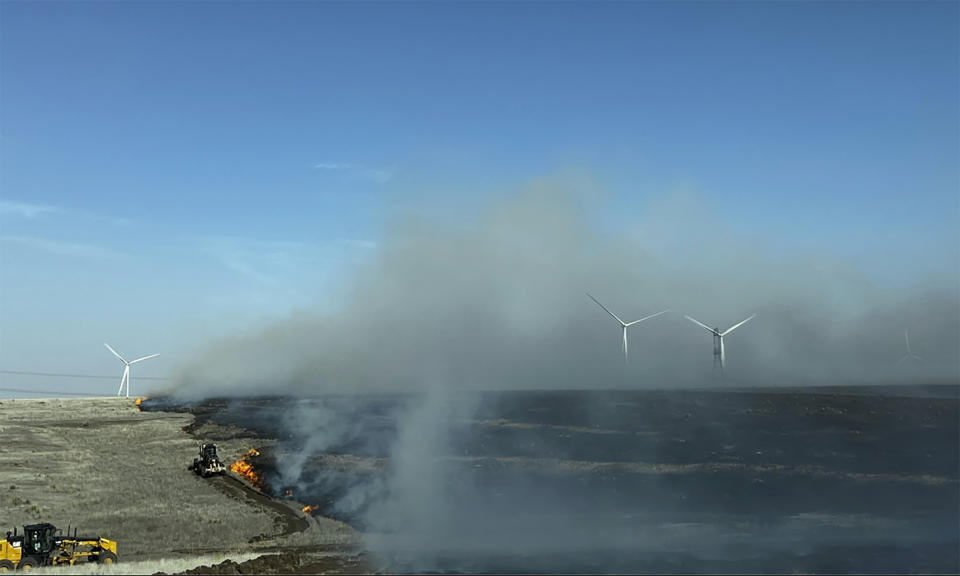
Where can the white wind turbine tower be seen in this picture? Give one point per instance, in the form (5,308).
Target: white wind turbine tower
(126,368)
(625,325)
(909,355)
(719,352)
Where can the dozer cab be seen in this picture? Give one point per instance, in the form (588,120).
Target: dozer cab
(44,545)
(208,462)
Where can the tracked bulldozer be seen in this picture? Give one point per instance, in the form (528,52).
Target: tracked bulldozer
(45,545)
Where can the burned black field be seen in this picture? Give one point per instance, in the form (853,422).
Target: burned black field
(818,480)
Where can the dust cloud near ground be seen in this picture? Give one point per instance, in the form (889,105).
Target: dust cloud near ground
(105,467)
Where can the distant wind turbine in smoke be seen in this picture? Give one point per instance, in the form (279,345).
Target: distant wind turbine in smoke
(625,325)
(909,355)
(126,368)
(719,351)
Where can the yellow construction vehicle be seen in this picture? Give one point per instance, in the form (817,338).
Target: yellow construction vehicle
(44,545)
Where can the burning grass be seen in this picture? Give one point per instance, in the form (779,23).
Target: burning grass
(245,467)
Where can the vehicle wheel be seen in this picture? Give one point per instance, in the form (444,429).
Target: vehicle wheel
(6,566)
(196,467)
(107,557)
(29,564)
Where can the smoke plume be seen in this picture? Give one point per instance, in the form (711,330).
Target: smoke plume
(496,301)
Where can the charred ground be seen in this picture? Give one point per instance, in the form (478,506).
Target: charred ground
(820,480)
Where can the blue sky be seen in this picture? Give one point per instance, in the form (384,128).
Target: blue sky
(175,171)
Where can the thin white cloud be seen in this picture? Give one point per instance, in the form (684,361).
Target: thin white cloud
(237,264)
(33,211)
(58,247)
(362,244)
(26,210)
(335,166)
(279,262)
(258,260)
(355,171)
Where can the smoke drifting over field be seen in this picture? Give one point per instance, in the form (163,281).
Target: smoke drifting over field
(496,301)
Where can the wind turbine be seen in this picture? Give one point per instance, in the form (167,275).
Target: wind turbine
(625,325)
(909,355)
(719,351)
(126,368)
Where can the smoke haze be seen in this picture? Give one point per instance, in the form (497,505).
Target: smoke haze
(495,300)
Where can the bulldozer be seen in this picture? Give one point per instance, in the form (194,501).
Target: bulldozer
(208,463)
(45,545)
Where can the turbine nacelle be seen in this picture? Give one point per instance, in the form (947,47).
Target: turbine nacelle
(719,350)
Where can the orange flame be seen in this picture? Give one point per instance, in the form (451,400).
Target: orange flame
(137,403)
(244,468)
(309,509)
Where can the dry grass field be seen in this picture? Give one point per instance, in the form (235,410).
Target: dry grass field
(111,470)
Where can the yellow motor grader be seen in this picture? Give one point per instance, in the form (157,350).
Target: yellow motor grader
(44,545)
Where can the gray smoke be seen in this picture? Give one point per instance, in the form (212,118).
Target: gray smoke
(496,301)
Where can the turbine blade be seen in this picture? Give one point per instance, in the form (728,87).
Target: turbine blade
(648,317)
(115,353)
(144,358)
(735,326)
(699,323)
(622,323)
(907,338)
(917,357)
